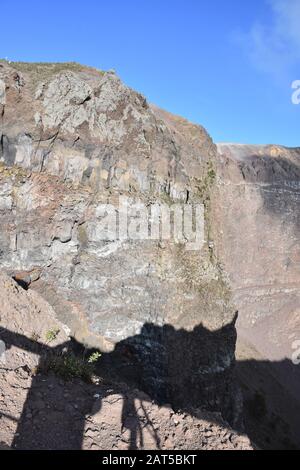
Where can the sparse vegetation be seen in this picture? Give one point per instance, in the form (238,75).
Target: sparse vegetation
(94,357)
(48,68)
(205,184)
(70,366)
(51,67)
(43,71)
(15,172)
(51,335)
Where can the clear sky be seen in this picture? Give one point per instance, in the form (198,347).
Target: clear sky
(227,65)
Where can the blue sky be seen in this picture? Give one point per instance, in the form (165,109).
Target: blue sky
(227,65)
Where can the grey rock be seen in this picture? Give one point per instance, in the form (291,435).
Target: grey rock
(2,350)
(86,138)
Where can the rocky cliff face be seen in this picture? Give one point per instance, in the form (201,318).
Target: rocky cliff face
(258,243)
(71,139)
(259,187)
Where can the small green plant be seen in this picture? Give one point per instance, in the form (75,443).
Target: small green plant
(211,174)
(94,357)
(206,182)
(51,335)
(68,366)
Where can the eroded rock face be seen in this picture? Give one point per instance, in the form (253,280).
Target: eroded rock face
(28,318)
(259,243)
(72,139)
(87,125)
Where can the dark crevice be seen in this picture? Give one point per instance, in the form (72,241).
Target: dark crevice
(21,282)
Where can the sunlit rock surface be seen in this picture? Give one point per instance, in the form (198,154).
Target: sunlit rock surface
(73,138)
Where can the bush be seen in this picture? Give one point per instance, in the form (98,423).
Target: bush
(69,366)
(51,335)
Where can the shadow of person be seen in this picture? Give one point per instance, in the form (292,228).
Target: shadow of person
(185,368)
(55,411)
(190,370)
(131,422)
(171,366)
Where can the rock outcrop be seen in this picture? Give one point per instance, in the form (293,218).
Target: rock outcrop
(71,139)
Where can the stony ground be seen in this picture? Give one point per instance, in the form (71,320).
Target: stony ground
(44,412)
(40,410)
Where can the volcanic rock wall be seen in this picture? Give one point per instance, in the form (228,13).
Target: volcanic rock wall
(258,211)
(72,138)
